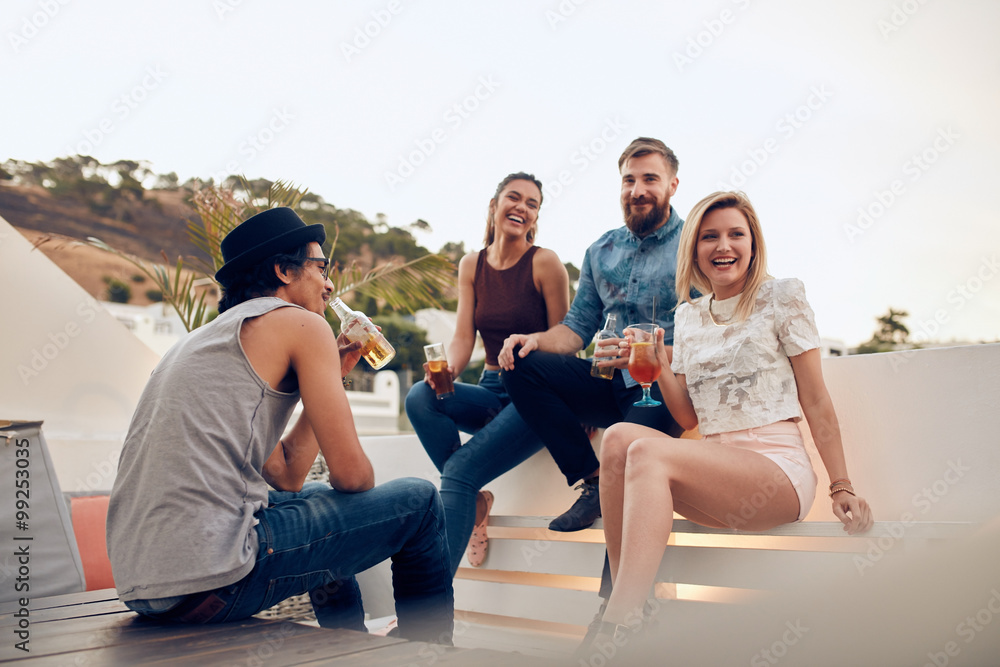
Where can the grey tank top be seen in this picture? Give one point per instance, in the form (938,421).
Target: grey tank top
(181,515)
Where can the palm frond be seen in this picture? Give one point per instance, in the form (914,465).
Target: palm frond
(220,210)
(283,194)
(406,287)
(177,288)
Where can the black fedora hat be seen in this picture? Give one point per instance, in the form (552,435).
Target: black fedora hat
(269,232)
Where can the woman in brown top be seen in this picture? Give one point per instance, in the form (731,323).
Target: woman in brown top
(510,286)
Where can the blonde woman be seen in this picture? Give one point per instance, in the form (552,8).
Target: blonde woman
(745,357)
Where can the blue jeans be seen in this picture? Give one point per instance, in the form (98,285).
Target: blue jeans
(501,441)
(316,540)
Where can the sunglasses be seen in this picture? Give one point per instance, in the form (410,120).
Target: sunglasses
(324,265)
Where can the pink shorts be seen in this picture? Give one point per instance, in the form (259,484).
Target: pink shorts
(782,443)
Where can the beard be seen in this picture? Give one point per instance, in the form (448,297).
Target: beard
(642,224)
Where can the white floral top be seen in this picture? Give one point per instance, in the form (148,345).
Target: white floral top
(738,375)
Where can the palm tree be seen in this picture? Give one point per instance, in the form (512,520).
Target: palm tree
(406,286)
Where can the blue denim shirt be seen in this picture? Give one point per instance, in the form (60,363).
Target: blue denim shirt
(621,274)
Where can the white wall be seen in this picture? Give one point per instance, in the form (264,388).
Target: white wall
(64,360)
(920,432)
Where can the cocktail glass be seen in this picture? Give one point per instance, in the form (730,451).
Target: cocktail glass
(643,362)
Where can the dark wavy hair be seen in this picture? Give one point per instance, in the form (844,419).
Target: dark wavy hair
(491,222)
(260,279)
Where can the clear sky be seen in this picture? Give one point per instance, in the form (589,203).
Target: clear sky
(865,131)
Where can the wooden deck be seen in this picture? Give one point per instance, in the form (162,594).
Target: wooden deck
(95,628)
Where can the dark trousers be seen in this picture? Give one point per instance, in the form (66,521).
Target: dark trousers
(555,394)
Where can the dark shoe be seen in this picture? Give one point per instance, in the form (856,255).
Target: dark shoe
(584,512)
(608,639)
(595,625)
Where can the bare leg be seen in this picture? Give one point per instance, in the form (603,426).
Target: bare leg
(662,474)
(614,447)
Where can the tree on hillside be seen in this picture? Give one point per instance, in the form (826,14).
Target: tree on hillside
(367,255)
(890,335)
(117,291)
(166,181)
(574,278)
(453,251)
(401,285)
(131,175)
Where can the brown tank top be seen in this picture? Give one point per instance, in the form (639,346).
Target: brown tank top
(507,302)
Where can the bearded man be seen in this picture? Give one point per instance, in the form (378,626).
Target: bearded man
(623,272)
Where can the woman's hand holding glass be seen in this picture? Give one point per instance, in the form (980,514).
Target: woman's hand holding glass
(438,373)
(664,353)
(430,380)
(643,361)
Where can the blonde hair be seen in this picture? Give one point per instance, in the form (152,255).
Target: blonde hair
(688,273)
(491,223)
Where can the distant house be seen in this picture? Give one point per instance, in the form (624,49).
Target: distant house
(831,347)
(157,325)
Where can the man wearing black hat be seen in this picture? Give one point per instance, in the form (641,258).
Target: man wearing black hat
(194,535)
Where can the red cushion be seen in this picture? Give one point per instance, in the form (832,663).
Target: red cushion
(89,516)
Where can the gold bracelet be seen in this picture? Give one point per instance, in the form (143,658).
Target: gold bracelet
(844,488)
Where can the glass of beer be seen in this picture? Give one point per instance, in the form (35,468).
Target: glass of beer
(437,368)
(643,364)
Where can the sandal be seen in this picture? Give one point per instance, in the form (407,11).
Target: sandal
(479,542)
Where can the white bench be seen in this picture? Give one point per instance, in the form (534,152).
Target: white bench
(550,578)
(920,431)
(377,411)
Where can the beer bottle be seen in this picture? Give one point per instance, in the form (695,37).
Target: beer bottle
(356,326)
(607,332)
